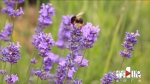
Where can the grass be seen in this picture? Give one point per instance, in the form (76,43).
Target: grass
(114,18)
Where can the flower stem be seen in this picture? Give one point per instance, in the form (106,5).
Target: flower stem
(27,75)
(121,63)
(10,70)
(13,23)
(68,69)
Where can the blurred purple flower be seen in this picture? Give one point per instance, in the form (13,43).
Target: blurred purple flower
(11,79)
(71,73)
(6,33)
(32,73)
(41,74)
(2,72)
(45,18)
(11,53)
(43,42)
(109,78)
(130,41)
(34,61)
(78,81)
(30,79)
(10,8)
(12,2)
(64,32)
(81,61)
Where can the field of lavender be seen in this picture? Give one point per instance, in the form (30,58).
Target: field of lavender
(108,22)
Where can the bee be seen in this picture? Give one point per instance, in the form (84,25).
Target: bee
(77,19)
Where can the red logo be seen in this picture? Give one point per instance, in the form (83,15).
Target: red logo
(127,73)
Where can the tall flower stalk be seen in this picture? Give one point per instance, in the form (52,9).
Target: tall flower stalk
(130,42)
(81,38)
(43,42)
(12,54)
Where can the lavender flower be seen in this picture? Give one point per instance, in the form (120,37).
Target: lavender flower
(3,59)
(64,32)
(10,8)
(130,41)
(61,72)
(47,64)
(12,53)
(34,61)
(2,72)
(12,2)
(49,60)
(42,74)
(108,78)
(11,79)
(80,61)
(30,79)
(90,34)
(32,73)
(6,33)
(78,81)
(71,73)
(45,18)
(76,38)
(43,42)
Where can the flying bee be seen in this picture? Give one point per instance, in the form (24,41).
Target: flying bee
(77,19)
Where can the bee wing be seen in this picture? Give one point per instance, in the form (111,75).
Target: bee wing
(79,15)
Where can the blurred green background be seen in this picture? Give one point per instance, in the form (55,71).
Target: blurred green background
(114,18)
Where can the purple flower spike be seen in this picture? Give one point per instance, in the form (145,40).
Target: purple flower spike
(71,73)
(11,53)
(49,60)
(130,41)
(81,62)
(41,74)
(61,72)
(34,61)
(2,72)
(6,33)
(43,42)
(64,32)
(11,3)
(10,8)
(19,13)
(90,34)
(45,18)
(78,81)
(11,79)
(109,78)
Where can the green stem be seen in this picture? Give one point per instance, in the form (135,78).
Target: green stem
(27,75)
(121,63)
(10,70)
